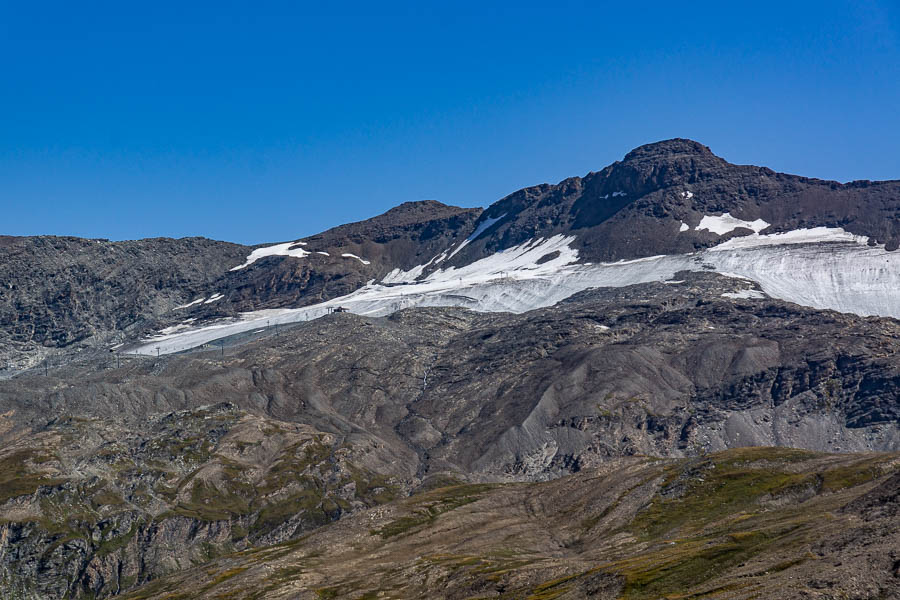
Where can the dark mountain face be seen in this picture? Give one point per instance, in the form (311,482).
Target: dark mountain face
(63,292)
(635,207)
(77,293)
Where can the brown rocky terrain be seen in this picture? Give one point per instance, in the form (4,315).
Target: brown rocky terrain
(748,523)
(118,475)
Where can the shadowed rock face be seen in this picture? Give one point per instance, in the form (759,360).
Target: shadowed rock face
(76,293)
(68,292)
(635,207)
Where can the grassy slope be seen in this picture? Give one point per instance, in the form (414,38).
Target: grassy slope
(738,524)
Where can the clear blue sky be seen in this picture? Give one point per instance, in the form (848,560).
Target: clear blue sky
(259,122)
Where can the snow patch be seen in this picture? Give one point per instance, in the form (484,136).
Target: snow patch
(744,294)
(733,275)
(687,194)
(213,298)
(183,326)
(684,227)
(192,303)
(726,223)
(400,276)
(286,249)
(632,261)
(482,227)
(517,262)
(813,235)
(839,274)
(322,253)
(362,260)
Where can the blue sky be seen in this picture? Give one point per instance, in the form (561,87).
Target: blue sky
(261,122)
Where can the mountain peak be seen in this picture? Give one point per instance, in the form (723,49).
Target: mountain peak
(667,149)
(423,207)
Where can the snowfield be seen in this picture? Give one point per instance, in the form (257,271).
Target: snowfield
(286,249)
(726,224)
(821,268)
(482,227)
(348,255)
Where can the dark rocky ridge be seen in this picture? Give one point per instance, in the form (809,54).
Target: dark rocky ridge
(645,220)
(405,236)
(66,292)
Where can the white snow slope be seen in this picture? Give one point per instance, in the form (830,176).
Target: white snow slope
(726,223)
(286,249)
(821,268)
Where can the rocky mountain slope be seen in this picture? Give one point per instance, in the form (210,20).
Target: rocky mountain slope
(815,243)
(750,523)
(75,293)
(105,465)
(635,208)
(92,507)
(674,377)
(62,292)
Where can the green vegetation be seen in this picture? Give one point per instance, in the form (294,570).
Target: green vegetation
(428,506)
(712,515)
(222,577)
(295,462)
(723,484)
(307,501)
(849,476)
(114,544)
(208,503)
(16,479)
(553,588)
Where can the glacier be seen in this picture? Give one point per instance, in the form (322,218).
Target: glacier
(823,268)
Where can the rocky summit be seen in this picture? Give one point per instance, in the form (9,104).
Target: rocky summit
(674,377)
